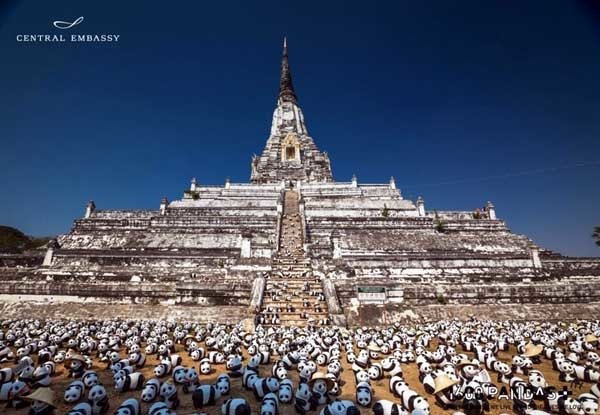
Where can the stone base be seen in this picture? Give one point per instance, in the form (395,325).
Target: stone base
(25,309)
(388,314)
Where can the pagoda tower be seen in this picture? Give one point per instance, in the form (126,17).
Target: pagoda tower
(290,153)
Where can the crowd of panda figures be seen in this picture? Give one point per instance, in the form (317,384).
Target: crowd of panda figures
(464,367)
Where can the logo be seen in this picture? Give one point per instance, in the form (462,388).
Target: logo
(59,24)
(66,38)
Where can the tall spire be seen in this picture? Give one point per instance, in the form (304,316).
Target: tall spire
(286,88)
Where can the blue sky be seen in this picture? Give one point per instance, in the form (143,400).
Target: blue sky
(451,98)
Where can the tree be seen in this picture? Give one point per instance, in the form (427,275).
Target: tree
(14,241)
(596,235)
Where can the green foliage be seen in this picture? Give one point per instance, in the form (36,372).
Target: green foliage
(385,212)
(596,235)
(14,241)
(477,214)
(441,299)
(439,224)
(194,195)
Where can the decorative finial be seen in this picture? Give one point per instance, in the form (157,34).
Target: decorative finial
(286,88)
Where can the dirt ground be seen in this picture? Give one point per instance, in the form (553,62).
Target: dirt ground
(380,388)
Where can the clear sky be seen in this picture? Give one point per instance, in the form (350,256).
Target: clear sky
(454,99)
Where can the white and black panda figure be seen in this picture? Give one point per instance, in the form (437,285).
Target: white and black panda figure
(6,375)
(234,366)
(134,381)
(262,386)
(137,359)
(205,367)
(41,402)
(76,366)
(589,403)
(363,360)
(178,375)
(74,392)
(168,395)
(362,376)
(151,390)
(205,395)
(223,384)
(397,385)
(291,359)
(338,407)
(197,354)
(475,401)
(237,406)
(41,377)
(537,384)
(286,391)
(270,405)
(130,406)
(279,371)
(385,407)
(159,408)
(567,371)
(522,398)
(82,408)
(320,385)
(586,374)
(375,371)
(364,394)
(98,399)
(216,357)
(162,369)
(391,366)
(595,390)
(250,376)
(411,400)
(561,404)
(303,399)
(335,389)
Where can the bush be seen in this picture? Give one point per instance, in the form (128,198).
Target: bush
(441,299)
(385,212)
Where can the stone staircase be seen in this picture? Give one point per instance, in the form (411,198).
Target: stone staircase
(293,296)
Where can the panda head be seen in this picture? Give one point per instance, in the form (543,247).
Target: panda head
(167,390)
(362,376)
(73,392)
(120,383)
(96,393)
(303,391)
(363,394)
(422,404)
(502,367)
(286,393)
(281,373)
(374,372)
(223,384)
(191,376)
(589,403)
(90,378)
(150,390)
(160,370)
(234,361)
(536,379)
(272,384)
(179,374)
(205,367)
(334,367)
(566,366)
(425,368)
